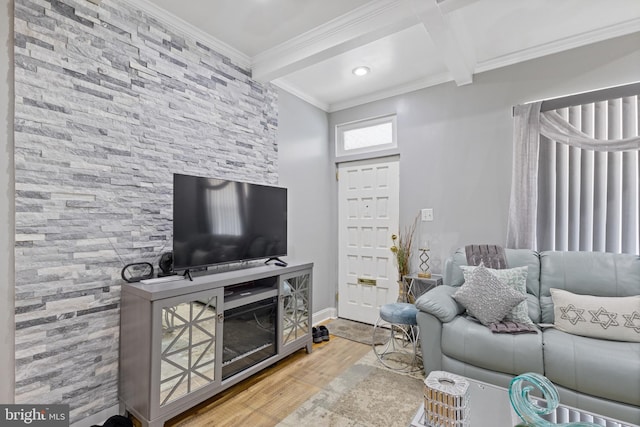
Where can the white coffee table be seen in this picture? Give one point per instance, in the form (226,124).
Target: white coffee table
(489,406)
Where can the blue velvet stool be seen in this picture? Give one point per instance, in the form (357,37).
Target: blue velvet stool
(400,349)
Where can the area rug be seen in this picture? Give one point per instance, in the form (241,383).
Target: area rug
(366,394)
(355,331)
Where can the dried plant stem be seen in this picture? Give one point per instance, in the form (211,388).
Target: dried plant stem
(402,246)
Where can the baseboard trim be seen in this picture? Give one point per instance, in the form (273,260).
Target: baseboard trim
(323,315)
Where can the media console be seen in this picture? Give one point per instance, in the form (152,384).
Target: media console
(183,341)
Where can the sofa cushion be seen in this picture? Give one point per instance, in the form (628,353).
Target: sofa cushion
(515,258)
(486,297)
(609,318)
(516,278)
(606,369)
(587,273)
(470,342)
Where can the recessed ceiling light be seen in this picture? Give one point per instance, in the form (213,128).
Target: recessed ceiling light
(361,71)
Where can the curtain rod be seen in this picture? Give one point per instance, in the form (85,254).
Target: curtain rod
(589,97)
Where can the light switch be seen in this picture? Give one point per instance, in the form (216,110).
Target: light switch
(427,214)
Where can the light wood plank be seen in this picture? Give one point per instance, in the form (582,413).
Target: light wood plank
(271,395)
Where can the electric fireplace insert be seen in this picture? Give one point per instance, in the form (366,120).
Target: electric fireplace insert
(249,335)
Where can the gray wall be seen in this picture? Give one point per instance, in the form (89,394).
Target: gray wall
(109,104)
(306,170)
(455,142)
(6,202)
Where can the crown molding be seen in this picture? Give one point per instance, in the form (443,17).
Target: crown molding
(561,45)
(448,6)
(394,91)
(282,84)
(376,96)
(180,25)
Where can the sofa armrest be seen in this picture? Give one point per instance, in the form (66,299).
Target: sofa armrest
(439,302)
(430,341)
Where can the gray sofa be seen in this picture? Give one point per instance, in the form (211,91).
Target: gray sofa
(596,375)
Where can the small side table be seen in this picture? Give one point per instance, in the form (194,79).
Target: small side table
(416,286)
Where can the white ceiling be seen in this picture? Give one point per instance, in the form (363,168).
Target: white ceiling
(309,47)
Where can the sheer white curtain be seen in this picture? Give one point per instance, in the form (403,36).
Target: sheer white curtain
(576,177)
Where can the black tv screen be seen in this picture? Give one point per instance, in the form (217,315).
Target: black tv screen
(217,221)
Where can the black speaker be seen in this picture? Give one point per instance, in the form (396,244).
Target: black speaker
(166,265)
(136,272)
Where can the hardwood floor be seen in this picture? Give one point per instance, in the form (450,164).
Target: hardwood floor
(266,398)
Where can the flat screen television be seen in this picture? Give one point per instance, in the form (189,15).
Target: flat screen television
(217,221)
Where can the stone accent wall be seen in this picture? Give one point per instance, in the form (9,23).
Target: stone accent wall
(109,104)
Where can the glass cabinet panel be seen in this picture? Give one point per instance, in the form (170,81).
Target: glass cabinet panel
(187,360)
(295,307)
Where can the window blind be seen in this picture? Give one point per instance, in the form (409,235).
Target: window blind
(589,200)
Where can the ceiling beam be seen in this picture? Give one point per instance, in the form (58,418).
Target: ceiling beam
(444,39)
(374,20)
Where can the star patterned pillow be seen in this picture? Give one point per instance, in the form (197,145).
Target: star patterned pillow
(610,318)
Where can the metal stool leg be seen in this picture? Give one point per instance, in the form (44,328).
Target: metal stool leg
(400,352)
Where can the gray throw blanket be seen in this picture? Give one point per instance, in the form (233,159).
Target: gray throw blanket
(492,256)
(506,327)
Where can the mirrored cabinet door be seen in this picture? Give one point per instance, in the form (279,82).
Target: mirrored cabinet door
(188,347)
(295,304)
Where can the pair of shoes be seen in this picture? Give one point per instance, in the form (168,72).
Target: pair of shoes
(324,333)
(117,421)
(317,335)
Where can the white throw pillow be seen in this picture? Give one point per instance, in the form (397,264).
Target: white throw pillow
(516,278)
(610,318)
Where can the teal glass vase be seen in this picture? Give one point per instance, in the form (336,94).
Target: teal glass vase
(529,412)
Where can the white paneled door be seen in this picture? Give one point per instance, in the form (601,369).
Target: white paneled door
(368,210)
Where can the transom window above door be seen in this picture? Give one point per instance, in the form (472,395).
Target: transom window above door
(366,136)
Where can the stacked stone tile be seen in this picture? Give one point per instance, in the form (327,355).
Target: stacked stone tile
(109,104)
